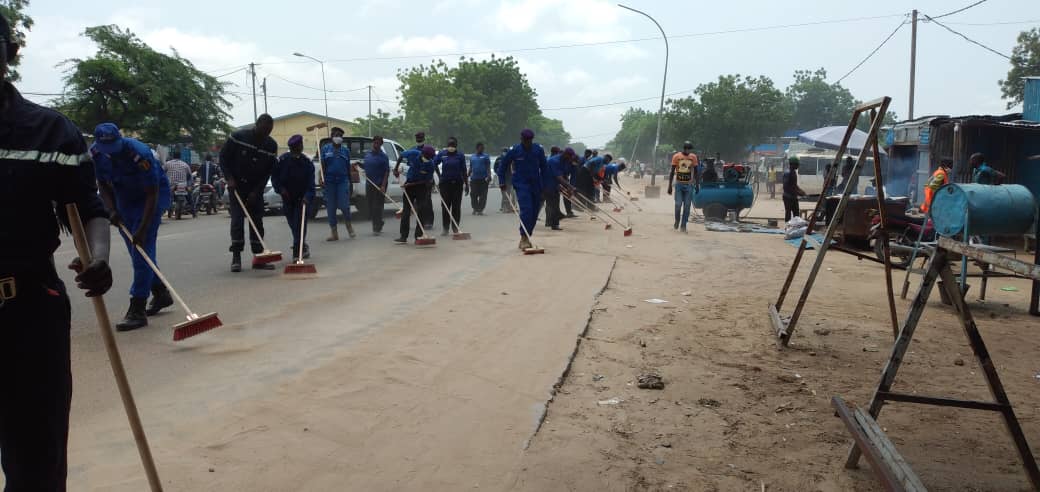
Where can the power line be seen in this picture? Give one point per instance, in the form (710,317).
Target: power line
(962,9)
(238,93)
(996,23)
(599,43)
(872,53)
(966,38)
(232,73)
(618,103)
(293,82)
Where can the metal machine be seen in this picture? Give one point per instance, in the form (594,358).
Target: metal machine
(732,192)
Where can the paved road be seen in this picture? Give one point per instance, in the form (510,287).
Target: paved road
(362,283)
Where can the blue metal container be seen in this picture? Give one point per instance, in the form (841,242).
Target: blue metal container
(983,209)
(731,195)
(1031,100)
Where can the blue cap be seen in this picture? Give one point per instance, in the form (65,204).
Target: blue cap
(527,134)
(428,152)
(296,140)
(107,138)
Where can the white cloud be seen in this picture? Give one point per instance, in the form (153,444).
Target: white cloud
(204,51)
(418,45)
(576,76)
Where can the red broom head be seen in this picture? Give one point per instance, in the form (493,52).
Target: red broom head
(617,209)
(195,326)
(534,251)
(461,236)
(299,268)
(398,214)
(608,227)
(425,241)
(628,232)
(268,257)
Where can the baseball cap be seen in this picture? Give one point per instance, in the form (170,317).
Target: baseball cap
(107,138)
(527,134)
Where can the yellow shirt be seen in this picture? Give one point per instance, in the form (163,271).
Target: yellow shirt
(684,166)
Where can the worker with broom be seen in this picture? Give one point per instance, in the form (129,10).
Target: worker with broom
(377,171)
(247,159)
(528,162)
(416,186)
(136,191)
(335,162)
(45,163)
(293,179)
(506,186)
(479,177)
(559,166)
(453,181)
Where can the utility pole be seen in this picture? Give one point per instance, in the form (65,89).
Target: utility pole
(264,87)
(370,111)
(252,73)
(913,63)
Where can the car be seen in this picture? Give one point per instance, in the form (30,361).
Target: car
(358,147)
(273,201)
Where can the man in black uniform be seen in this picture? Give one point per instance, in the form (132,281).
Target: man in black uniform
(247,158)
(44,165)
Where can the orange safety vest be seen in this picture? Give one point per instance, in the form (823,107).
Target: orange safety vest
(939,178)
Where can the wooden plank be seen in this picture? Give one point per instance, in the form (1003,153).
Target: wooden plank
(1018,266)
(884,473)
(942,402)
(891,457)
(871,104)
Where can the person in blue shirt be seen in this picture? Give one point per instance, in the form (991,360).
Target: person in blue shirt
(293,179)
(377,170)
(591,182)
(982,172)
(610,175)
(503,173)
(479,177)
(335,164)
(559,166)
(454,178)
(527,160)
(135,188)
(421,170)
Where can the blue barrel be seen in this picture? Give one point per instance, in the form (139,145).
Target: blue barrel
(985,210)
(733,196)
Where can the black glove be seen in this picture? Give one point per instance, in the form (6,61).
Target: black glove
(96,279)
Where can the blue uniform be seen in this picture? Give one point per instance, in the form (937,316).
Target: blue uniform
(419,169)
(376,166)
(452,166)
(611,171)
(130,172)
(294,175)
(337,181)
(557,168)
(529,165)
(479,167)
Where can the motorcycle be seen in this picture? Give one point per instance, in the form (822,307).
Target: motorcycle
(206,198)
(903,233)
(181,202)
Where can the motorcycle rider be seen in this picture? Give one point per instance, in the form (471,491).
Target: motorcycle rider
(208,173)
(179,173)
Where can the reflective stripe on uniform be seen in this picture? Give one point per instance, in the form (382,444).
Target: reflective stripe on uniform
(46,157)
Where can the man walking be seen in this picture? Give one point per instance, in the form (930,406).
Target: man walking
(527,160)
(247,159)
(335,162)
(684,172)
(791,190)
(479,177)
(45,166)
(377,169)
(505,183)
(416,186)
(771,181)
(134,186)
(293,179)
(451,169)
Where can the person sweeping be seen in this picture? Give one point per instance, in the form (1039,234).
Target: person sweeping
(45,166)
(416,186)
(136,191)
(528,162)
(453,182)
(247,159)
(377,173)
(293,179)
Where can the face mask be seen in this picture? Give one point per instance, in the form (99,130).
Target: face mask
(451,149)
(337,140)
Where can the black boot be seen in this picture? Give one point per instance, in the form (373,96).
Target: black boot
(135,316)
(236,261)
(160,299)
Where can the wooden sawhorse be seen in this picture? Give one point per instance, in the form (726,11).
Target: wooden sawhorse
(939,269)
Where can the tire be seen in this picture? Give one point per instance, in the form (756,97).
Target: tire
(179,209)
(899,261)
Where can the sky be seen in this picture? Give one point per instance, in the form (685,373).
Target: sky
(366,42)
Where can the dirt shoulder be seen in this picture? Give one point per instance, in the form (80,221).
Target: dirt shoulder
(738,414)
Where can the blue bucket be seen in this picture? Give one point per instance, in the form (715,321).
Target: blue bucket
(983,209)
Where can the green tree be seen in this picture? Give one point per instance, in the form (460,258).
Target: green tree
(488,101)
(1025,62)
(386,125)
(635,139)
(159,98)
(14,12)
(548,131)
(817,103)
(727,116)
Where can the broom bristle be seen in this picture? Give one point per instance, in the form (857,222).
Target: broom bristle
(425,241)
(608,227)
(460,236)
(268,257)
(295,268)
(196,326)
(534,251)
(628,232)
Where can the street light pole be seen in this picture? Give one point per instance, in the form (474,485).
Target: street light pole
(664,82)
(324,90)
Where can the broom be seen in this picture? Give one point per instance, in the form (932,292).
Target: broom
(195,324)
(628,228)
(458,235)
(424,240)
(267,256)
(533,250)
(627,193)
(299,267)
(400,210)
(83,249)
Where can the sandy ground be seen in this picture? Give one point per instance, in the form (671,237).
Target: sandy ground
(737,413)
